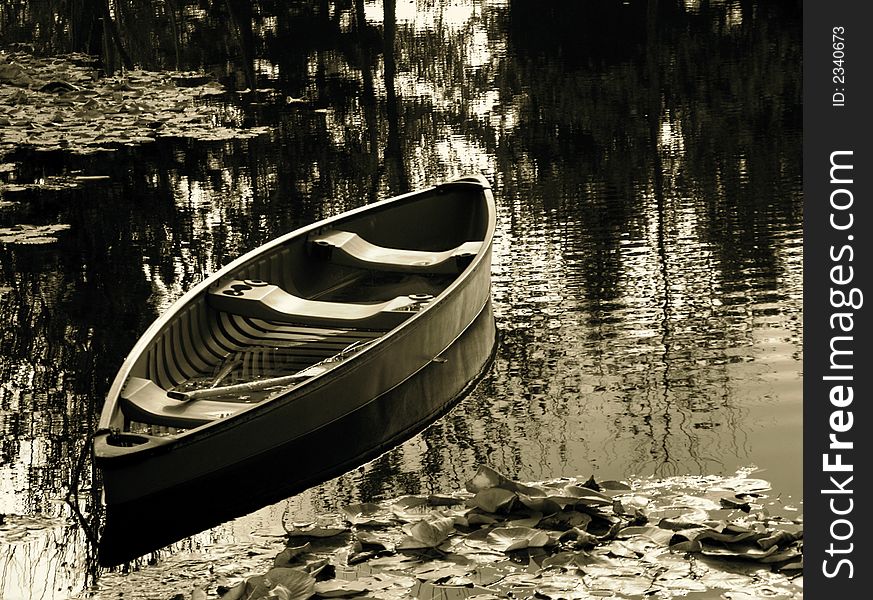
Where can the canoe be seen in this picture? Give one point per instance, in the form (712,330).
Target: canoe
(316,351)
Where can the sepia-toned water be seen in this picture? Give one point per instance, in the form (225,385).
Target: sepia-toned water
(647,279)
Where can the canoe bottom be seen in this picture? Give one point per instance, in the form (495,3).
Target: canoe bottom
(137,528)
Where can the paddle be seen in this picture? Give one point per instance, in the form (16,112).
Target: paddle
(249,386)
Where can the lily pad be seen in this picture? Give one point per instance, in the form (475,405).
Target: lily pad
(316,531)
(486,478)
(508,539)
(588,549)
(365,514)
(31,234)
(656,534)
(493,500)
(61,104)
(339,589)
(426,590)
(427,533)
(291,555)
(284,583)
(779,538)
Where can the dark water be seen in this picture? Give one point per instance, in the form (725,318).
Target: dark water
(647,271)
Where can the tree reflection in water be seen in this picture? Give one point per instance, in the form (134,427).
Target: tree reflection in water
(647,284)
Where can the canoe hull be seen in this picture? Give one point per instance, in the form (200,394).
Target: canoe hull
(363,402)
(345,390)
(218,495)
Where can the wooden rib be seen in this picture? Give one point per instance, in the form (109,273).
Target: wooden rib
(168,361)
(202,339)
(286,340)
(192,349)
(180,356)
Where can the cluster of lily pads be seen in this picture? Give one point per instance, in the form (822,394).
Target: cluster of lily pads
(550,540)
(31,234)
(60,103)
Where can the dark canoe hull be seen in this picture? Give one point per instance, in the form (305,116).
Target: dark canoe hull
(135,528)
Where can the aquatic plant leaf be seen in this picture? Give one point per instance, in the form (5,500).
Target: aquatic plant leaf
(794,565)
(508,539)
(732,503)
(476,517)
(582,538)
(291,555)
(542,505)
(685,521)
(615,485)
(297,584)
(556,499)
(566,519)
(738,550)
(634,502)
(586,496)
(31,234)
(316,531)
(425,590)
(493,500)
(559,585)
(779,538)
(699,503)
(655,534)
(532,520)
(256,587)
(236,592)
(335,588)
(412,508)
(365,514)
(742,485)
(788,554)
(409,502)
(685,546)
(280,592)
(726,536)
(486,575)
(368,539)
(486,478)
(427,533)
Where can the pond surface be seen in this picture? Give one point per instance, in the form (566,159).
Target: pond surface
(647,269)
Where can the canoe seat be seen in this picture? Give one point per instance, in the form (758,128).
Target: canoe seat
(262,300)
(350,249)
(146,402)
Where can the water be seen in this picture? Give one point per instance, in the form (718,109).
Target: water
(647,270)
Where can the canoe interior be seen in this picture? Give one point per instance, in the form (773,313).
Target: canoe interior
(203,348)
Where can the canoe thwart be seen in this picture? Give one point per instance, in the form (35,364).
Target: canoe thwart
(350,249)
(262,300)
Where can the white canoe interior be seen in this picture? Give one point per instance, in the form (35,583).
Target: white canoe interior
(257,334)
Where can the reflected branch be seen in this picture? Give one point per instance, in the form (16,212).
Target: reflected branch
(393,150)
(240,12)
